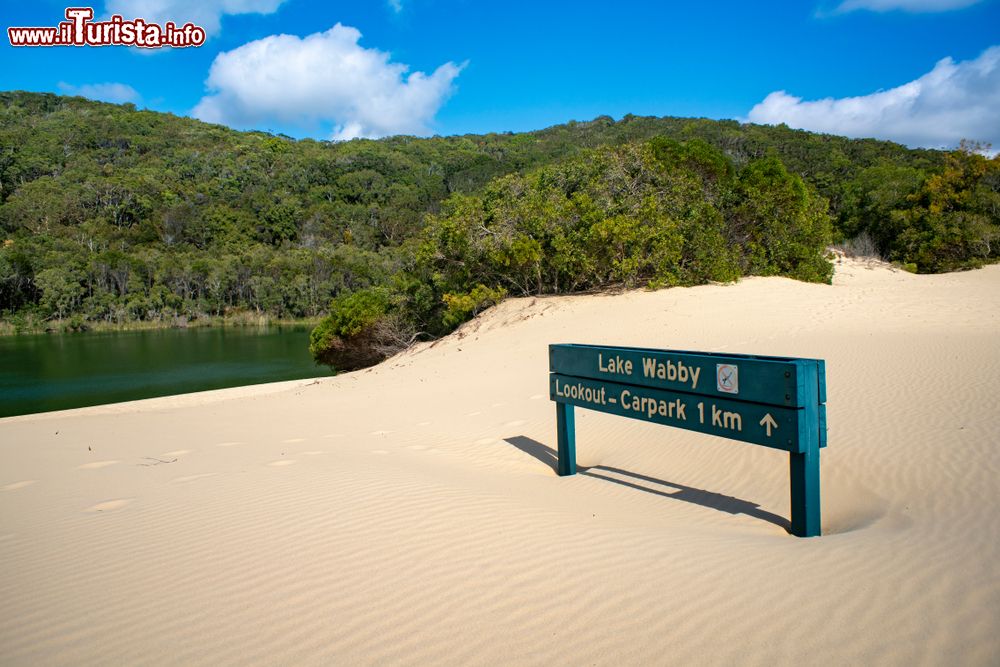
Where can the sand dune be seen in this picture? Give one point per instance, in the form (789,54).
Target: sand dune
(410,513)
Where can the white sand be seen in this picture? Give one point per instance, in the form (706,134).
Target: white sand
(410,513)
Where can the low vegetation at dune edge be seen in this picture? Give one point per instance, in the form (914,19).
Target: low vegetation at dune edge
(655,213)
(116,217)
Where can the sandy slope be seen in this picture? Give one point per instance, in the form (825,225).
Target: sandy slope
(410,513)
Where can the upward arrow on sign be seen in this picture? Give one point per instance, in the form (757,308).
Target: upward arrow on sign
(768,423)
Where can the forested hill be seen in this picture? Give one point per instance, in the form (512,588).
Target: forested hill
(109,213)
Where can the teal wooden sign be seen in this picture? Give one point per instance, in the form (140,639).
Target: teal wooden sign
(776,402)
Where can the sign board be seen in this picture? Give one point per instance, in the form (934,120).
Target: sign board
(777,402)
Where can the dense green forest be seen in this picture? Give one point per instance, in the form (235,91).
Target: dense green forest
(114,215)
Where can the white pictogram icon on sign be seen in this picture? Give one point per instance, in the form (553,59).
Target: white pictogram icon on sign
(727,378)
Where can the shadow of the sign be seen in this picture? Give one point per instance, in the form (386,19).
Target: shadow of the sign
(688,494)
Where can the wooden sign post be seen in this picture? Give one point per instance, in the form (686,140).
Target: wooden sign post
(777,402)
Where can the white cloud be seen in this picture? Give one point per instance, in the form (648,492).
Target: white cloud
(117,93)
(204,13)
(396,5)
(951,102)
(915,6)
(323,79)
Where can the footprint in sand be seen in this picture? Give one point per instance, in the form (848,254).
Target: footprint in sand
(291,441)
(97,464)
(191,478)
(109,505)
(228,444)
(281,462)
(14,486)
(175,454)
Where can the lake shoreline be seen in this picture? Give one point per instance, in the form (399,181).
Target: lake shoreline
(43,373)
(169,401)
(72,326)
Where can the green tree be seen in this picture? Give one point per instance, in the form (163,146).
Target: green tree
(953,220)
(362,328)
(780,225)
(61,290)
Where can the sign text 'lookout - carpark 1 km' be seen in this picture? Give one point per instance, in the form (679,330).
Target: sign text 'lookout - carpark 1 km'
(777,402)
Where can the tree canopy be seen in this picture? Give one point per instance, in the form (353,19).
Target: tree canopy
(113,214)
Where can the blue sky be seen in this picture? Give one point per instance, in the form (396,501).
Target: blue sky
(855,67)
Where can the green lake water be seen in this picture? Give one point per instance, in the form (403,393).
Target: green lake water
(60,371)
